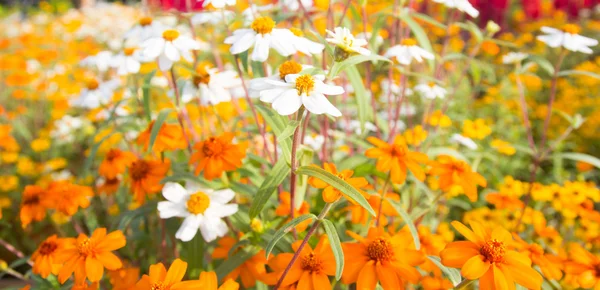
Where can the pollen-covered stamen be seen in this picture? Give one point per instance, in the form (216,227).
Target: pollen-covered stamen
(431,84)
(170,34)
(289,67)
(86,247)
(128,51)
(398,150)
(493,251)
(198,203)
(305,84)
(263,25)
(48,248)
(92,84)
(571,28)
(159,286)
(459,166)
(212,147)
(380,249)
(139,169)
(409,42)
(310,262)
(112,154)
(145,21)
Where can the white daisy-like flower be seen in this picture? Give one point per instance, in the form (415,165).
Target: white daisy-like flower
(211,86)
(128,61)
(394,89)
(408,51)
(202,209)
(304,45)
(462,5)
(251,12)
(568,38)
(343,38)
(297,90)
(465,141)
(255,86)
(314,141)
(294,5)
(64,128)
(100,61)
(169,48)
(431,91)
(212,17)
(119,109)
(514,57)
(96,93)
(145,29)
(355,126)
(262,36)
(218,3)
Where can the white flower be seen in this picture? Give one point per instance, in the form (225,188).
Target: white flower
(297,90)
(465,141)
(218,3)
(169,48)
(100,61)
(250,12)
(304,45)
(314,141)
(145,29)
(127,62)
(407,51)
(354,125)
(119,109)
(514,57)
(255,86)
(64,128)
(212,17)
(95,93)
(202,208)
(343,38)
(211,86)
(567,38)
(431,91)
(394,89)
(262,36)
(294,5)
(462,5)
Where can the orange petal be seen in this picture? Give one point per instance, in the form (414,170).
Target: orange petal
(466,232)
(208,280)
(475,267)
(367,278)
(524,275)
(387,277)
(93,269)
(176,272)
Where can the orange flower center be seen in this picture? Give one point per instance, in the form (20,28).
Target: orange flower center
(571,28)
(380,249)
(30,200)
(112,154)
(263,25)
(312,263)
(47,248)
(398,150)
(459,166)
(139,170)
(305,84)
(92,84)
(128,51)
(289,67)
(145,21)
(198,203)
(493,251)
(409,42)
(170,34)
(201,79)
(86,247)
(212,147)
(159,286)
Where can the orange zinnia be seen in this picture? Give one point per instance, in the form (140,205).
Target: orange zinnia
(456,172)
(44,258)
(208,281)
(169,137)
(160,278)
(115,163)
(485,256)
(216,155)
(330,193)
(145,176)
(249,271)
(68,198)
(32,205)
(381,257)
(584,266)
(88,256)
(397,158)
(310,270)
(124,279)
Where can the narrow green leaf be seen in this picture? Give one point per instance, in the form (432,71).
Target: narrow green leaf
(583,158)
(453,274)
(146,94)
(354,60)
(578,73)
(336,247)
(289,130)
(233,262)
(274,178)
(160,119)
(285,229)
(428,19)
(338,183)
(362,97)
(411,225)
(278,124)
(543,63)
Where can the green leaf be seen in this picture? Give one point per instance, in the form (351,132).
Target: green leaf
(411,225)
(146,94)
(578,73)
(274,178)
(160,119)
(233,262)
(543,63)
(285,229)
(289,130)
(338,183)
(336,247)
(428,19)
(278,124)
(362,97)
(503,43)
(354,60)
(94,151)
(453,274)
(589,159)
(419,33)
(128,217)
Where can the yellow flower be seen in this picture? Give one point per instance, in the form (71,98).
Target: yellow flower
(415,136)
(9,157)
(476,129)
(503,147)
(40,144)
(26,166)
(8,182)
(438,118)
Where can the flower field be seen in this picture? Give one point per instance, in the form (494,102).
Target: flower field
(299,144)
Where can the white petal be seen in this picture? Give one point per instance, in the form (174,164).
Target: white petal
(222,196)
(243,43)
(287,103)
(167,209)
(188,228)
(328,89)
(171,51)
(164,63)
(221,210)
(174,192)
(319,104)
(261,47)
(153,47)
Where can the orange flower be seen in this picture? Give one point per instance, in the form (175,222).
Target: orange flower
(88,256)
(330,193)
(68,197)
(309,271)
(485,256)
(115,163)
(44,258)
(32,205)
(550,269)
(145,176)
(436,283)
(456,172)
(397,158)
(124,279)
(208,281)
(109,186)
(249,271)
(284,210)
(381,257)
(160,278)
(169,137)
(216,155)
(585,266)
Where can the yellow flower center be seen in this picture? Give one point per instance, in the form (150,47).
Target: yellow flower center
(129,51)
(86,247)
(92,84)
(571,28)
(159,286)
(212,147)
(493,251)
(431,84)
(380,249)
(139,170)
(289,67)
(145,21)
(263,25)
(409,42)
(198,203)
(312,263)
(170,34)
(297,32)
(48,248)
(305,84)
